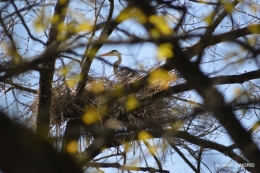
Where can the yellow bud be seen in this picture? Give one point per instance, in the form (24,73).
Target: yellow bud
(55,18)
(71,82)
(97,86)
(72,147)
(160,23)
(143,135)
(209,18)
(228,7)
(161,78)
(131,103)
(91,116)
(255,29)
(165,51)
(84,27)
(124,15)
(154,33)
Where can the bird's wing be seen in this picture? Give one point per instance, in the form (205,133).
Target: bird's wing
(128,72)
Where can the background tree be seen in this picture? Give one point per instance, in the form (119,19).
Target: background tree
(197,98)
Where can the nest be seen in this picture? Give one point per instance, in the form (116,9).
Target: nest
(161,114)
(162,109)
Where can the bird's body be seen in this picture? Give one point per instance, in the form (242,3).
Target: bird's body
(125,72)
(122,73)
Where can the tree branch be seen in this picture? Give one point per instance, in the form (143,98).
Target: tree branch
(19,87)
(20,146)
(219,80)
(72,131)
(47,72)
(221,111)
(24,24)
(47,55)
(182,155)
(190,52)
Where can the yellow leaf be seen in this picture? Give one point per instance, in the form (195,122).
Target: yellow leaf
(209,18)
(140,16)
(102,148)
(91,116)
(124,15)
(178,124)
(131,103)
(72,147)
(61,31)
(165,51)
(64,71)
(38,25)
(71,82)
(61,27)
(143,135)
(119,90)
(237,91)
(92,52)
(155,76)
(161,78)
(253,40)
(255,29)
(154,19)
(84,27)
(62,1)
(228,7)
(255,126)
(160,23)
(97,86)
(154,33)
(55,18)
(127,146)
(131,13)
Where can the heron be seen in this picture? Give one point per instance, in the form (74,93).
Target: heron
(123,72)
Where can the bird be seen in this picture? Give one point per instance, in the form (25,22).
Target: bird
(122,73)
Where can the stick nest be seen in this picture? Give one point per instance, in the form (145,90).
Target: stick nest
(165,111)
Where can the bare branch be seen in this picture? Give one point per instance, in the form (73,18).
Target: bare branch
(182,155)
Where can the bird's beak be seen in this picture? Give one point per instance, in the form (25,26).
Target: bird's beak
(106,54)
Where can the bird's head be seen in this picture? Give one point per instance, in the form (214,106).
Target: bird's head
(111,53)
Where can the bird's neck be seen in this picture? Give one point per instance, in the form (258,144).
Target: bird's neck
(116,64)
(119,60)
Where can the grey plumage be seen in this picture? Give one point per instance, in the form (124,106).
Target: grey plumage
(121,73)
